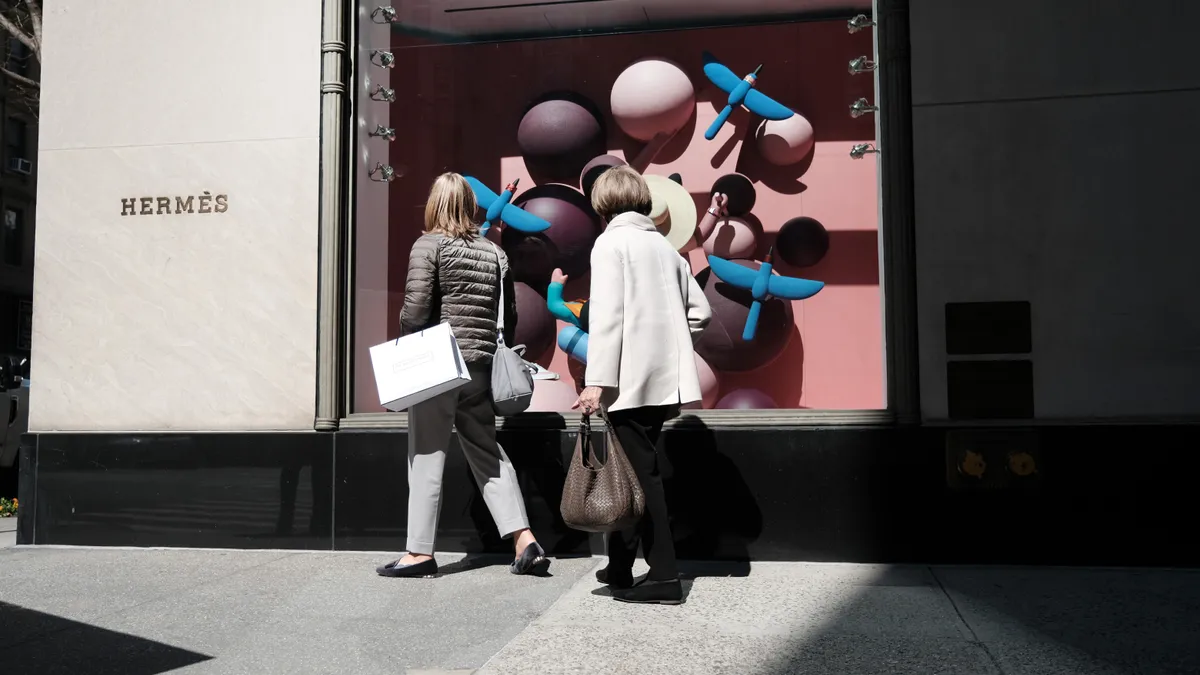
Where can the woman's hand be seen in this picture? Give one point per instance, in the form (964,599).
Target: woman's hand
(589,400)
(557,277)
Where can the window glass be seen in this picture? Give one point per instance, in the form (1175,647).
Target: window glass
(17,59)
(16,138)
(13,237)
(546,95)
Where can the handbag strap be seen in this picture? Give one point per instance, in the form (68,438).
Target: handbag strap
(500,284)
(585,433)
(587,451)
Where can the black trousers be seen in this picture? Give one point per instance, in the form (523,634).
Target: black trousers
(638,430)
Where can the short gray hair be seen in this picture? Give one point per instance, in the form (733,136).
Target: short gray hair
(621,190)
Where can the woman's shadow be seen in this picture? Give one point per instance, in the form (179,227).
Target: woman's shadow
(714,514)
(540,452)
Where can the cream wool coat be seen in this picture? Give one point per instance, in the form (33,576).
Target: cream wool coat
(644,313)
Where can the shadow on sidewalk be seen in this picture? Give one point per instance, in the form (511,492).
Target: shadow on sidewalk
(35,642)
(482,560)
(1032,619)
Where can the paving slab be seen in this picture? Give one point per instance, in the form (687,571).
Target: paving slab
(786,618)
(128,612)
(1048,621)
(557,650)
(82,585)
(139,611)
(781,618)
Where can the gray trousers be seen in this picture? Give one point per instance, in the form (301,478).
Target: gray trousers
(469,410)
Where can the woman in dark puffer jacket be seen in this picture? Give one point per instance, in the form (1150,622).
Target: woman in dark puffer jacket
(454,277)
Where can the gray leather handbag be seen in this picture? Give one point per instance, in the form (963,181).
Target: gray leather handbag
(512,379)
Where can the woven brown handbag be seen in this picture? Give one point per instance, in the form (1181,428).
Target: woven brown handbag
(601,497)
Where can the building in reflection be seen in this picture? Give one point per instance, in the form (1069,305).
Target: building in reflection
(19,75)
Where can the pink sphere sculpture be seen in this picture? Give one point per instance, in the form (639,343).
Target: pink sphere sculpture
(710,382)
(732,238)
(553,396)
(746,399)
(785,142)
(652,96)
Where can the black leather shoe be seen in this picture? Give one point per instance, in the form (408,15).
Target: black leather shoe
(618,581)
(652,593)
(426,569)
(532,560)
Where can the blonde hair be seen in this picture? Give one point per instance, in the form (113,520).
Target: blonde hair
(621,190)
(451,207)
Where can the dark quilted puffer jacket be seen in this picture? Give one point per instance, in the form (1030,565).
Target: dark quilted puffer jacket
(456,281)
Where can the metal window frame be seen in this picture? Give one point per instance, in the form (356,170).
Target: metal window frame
(897,256)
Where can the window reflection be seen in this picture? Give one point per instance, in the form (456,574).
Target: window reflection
(479,95)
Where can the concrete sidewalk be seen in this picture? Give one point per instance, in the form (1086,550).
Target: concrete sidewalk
(867,620)
(137,612)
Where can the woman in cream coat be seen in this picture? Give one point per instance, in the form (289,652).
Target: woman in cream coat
(646,310)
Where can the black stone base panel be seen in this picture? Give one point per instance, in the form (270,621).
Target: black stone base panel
(1084,495)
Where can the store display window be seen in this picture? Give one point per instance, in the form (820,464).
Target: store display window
(532,102)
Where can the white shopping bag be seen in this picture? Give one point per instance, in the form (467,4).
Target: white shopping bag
(417,367)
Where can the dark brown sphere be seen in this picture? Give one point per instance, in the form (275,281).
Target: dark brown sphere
(740,191)
(535,324)
(802,242)
(558,126)
(593,169)
(574,227)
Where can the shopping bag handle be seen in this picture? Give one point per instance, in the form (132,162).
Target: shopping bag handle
(420,332)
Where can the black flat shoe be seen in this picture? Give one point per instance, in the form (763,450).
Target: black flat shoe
(652,593)
(426,569)
(619,581)
(532,560)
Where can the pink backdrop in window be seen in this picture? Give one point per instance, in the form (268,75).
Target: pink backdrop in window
(459,106)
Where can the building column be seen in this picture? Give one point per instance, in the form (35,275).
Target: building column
(893,91)
(332,219)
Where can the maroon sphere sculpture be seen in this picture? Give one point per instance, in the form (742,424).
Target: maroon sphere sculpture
(746,399)
(535,324)
(559,125)
(721,343)
(740,191)
(593,169)
(574,227)
(802,242)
